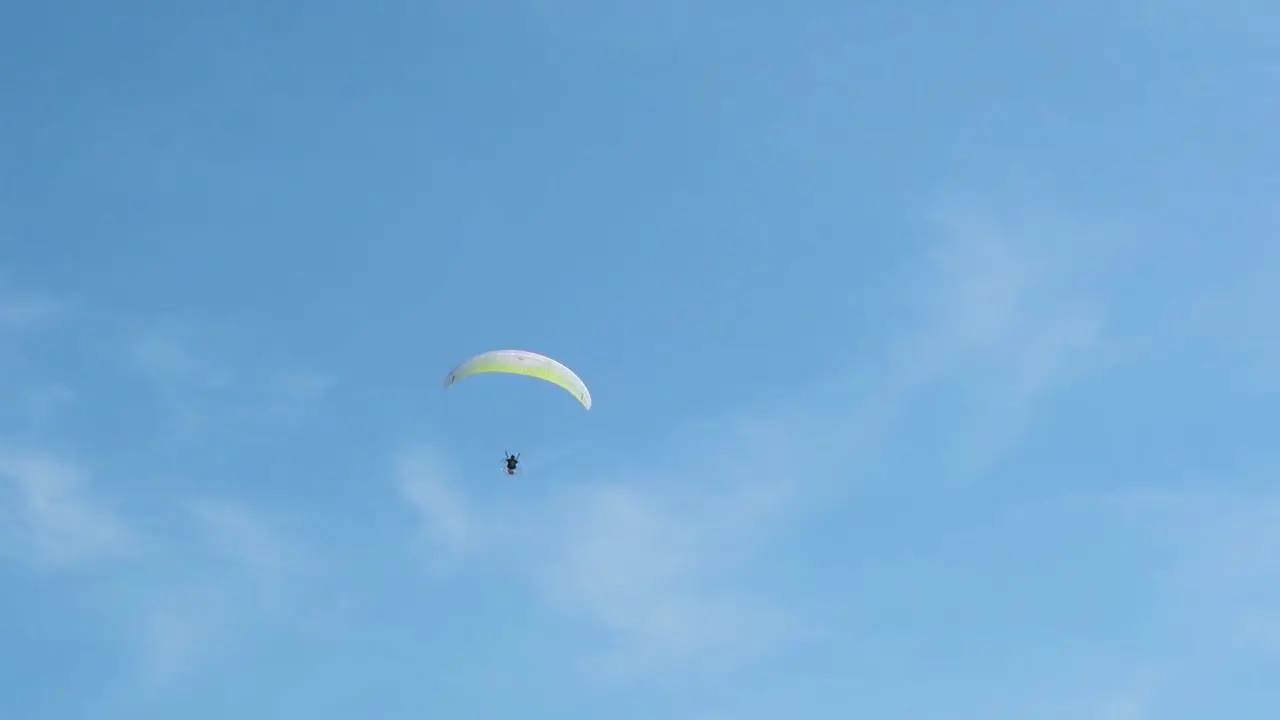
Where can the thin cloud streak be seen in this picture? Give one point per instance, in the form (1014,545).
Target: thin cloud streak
(1223,574)
(28,314)
(202,385)
(665,560)
(229,572)
(187,586)
(446,517)
(50,519)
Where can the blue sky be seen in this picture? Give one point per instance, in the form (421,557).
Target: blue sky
(933,351)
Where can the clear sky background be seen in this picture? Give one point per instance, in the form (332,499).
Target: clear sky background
(934,350)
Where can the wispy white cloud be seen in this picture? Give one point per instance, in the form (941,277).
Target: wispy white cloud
(241,540)
(1003,316)
(24,314)
(183,586)
(175,635)
(192,587)
(665,572)
(28,396)
(50,517)
(664,558)
(169,357)
(450,524)
(208,587)
(180,371)
(293,395)
(1223,573)
(201,380)
(185,579)
(1123,699)
(652,556)
(1214,590)
(1132,705)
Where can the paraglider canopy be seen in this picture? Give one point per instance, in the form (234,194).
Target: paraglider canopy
(522,362)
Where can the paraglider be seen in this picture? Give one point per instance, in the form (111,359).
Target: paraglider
(522,362)
(529,364)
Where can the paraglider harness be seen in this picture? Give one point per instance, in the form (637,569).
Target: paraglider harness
(512,462)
